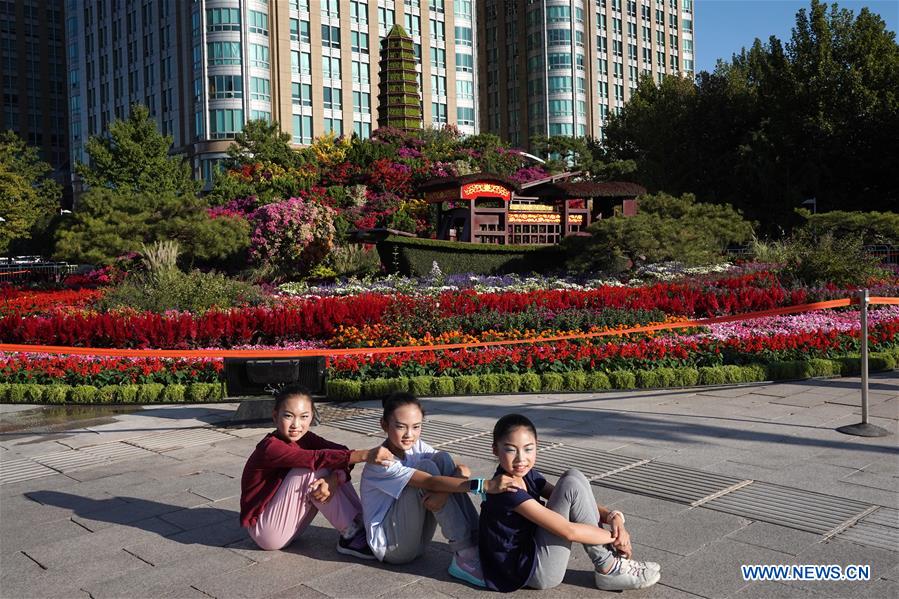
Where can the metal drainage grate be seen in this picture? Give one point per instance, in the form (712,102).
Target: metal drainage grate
(481,446)
(668,481)
(879,529)
(116,451)
(16,471)
(793,508)
(592,462)
(66,461)
(437,433)
(329,412)
(365,425)
(179,439)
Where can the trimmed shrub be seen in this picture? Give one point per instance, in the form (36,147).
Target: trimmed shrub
(24,393)
(128,393)
(398,384)
(173,393)
(149,392)
(598,380)
(530,383)
(732,374)
(509,382)
(443,385)
(343,389)
(83,394)
(822,367)
(752,373)
(575,380)
(686,377)
(849,365)
(216,392)
(56,394)
(376,388)
(666,377)
(107,394)
(420,386)
(881,361)
(646,379)
(709,375)
(552,381)
(490,383)
(622,379)
(467,384)
(4,392)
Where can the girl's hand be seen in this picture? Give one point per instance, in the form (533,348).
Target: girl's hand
(379,455)
(462,471)
(320,490)
(621,539)
(502,483)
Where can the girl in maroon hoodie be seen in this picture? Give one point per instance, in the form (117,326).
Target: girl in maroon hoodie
(292,474)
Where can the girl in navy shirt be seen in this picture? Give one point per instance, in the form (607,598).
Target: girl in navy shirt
(526,542)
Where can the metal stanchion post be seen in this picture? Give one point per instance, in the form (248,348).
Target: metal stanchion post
(864,428)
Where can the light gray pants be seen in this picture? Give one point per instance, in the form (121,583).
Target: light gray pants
(409,525)
(573,499)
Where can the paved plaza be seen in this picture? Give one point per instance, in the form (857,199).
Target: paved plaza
(145,503)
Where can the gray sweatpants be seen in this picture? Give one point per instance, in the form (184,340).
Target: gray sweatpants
(573,499)
(409,525)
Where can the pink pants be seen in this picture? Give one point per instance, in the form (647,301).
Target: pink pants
(292,509)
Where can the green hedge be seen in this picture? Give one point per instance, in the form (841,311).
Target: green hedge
(412,256)
(109,394)
(488,384)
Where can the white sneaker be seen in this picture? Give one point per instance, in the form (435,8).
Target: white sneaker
(628,575)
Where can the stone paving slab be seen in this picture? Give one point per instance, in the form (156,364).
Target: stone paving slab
(166,525)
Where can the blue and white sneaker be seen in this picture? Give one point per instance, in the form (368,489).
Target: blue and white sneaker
(467,572)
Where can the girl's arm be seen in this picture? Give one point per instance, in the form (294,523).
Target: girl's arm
(451,484)
(560,526)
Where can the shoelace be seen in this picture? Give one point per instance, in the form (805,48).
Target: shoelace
(634,568)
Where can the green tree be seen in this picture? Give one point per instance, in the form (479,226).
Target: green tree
(135,157)
(28,197)
(109,223)
(261,141)
(666,228)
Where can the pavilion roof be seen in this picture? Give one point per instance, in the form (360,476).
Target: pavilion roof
(587,189)
(450,182)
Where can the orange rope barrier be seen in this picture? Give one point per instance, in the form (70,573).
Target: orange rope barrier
(13,272)
(296,353)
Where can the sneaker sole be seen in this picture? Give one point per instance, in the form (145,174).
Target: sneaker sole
(650,580)
(354,553)
(457,572)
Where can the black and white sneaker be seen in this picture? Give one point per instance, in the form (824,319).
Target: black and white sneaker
(357,546)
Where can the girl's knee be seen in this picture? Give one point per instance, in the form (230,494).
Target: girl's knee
(547,582)
(430,466)
(574,474)
(444,462)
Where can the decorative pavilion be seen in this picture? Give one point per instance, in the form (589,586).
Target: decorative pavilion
(483,208)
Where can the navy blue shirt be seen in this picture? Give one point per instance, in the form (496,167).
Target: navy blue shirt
(506,542)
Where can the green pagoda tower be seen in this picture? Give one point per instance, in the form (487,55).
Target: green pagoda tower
(399,99)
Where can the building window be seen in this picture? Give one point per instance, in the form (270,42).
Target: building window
(437,32)
(260,89)
(438,85)
(413,24)
(560,107)
(302,129)
(559,85)
(559,60)
(438,112)
(463,36)
(360,72)
(222,53)
(464,89)
(558,14)
(334,126)
(331,8)
(330,67)
(222,19)
(225,86)
(465,116)
(359,42)
(259,56)
(301,94)
(561,129)
(361,129)
(558,37)
(464,62)
(462,9)
(435,5)
(258,22)
(362,102)
(261,115)
(225,123)
(332,97)
(330,36)
(385,18)
(359,12)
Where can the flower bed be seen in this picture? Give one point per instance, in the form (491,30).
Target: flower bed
(25,302)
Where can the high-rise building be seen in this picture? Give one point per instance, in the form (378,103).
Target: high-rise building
(206,67)
(33,102)
(560,67)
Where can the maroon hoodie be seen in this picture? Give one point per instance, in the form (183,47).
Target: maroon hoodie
(272,460)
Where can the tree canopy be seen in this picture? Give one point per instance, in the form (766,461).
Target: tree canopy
(28,196)
(780,123)
(136,157)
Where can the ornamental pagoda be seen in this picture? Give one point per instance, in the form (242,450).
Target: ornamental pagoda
(483,208)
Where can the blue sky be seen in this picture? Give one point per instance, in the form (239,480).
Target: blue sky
(723,27)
